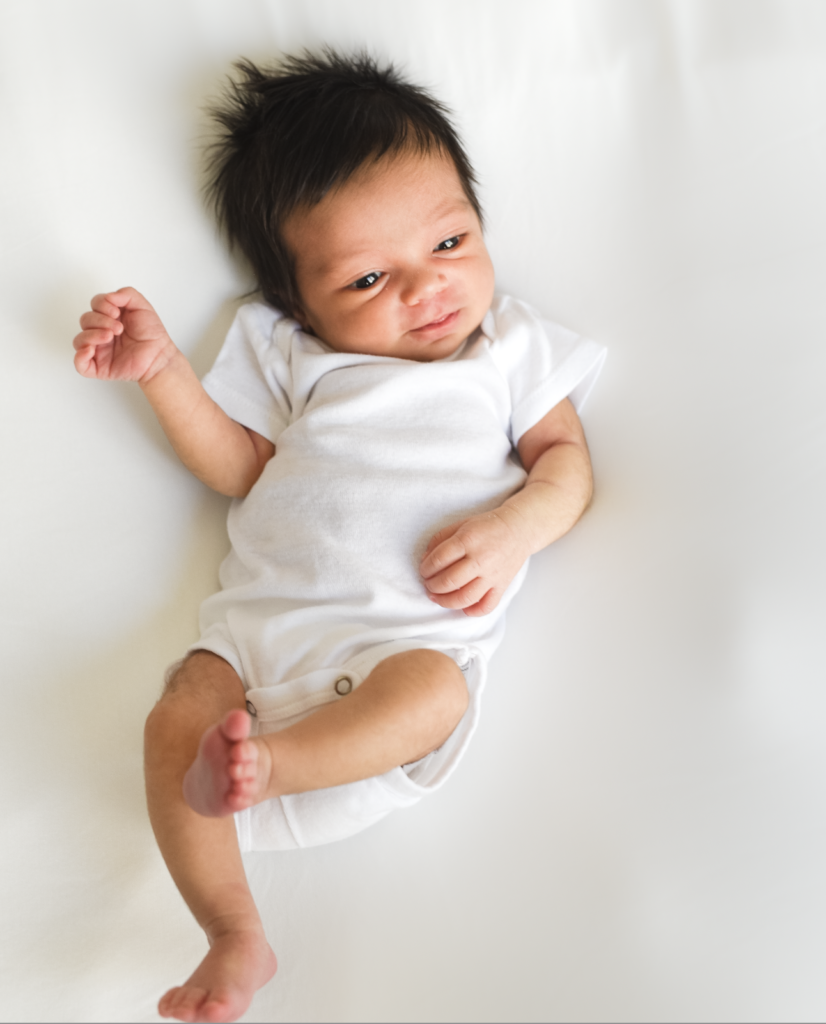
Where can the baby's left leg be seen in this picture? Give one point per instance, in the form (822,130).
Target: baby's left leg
(407,707)
(202,854)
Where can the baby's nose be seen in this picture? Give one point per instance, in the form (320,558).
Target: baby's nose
(422,284)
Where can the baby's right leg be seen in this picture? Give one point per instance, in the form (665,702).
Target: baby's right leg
(201,853)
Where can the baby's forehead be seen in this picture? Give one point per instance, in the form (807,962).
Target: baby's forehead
(384,202)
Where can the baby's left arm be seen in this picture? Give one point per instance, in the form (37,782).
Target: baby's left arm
(470,564)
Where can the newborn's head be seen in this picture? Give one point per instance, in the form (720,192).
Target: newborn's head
(349,192)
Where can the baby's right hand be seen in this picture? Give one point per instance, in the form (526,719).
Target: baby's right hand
(122,339)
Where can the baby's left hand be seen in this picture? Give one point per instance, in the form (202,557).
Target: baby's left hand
(470,564)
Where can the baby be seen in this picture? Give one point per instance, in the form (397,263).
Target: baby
(398,442)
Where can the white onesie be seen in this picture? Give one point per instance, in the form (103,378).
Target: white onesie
(374,454)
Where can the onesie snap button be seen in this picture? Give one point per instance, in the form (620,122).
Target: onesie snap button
(343,686)
(251,709)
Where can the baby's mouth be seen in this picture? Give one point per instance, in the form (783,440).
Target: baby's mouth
(442,322)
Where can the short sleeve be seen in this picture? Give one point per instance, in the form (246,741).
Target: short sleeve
(541,361)
(250,380)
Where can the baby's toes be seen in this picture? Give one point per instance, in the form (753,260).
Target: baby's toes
(245,753)
(240,797)
(243,750)
(188,1003)
(241,770)
(244,788)
(214,1009)
(167,1001)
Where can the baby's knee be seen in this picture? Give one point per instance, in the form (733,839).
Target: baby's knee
(184,673)
(172,700)
(206,678)
(165,719)
(198,691)
(449,692)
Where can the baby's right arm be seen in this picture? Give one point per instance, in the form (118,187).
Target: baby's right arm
(123,339)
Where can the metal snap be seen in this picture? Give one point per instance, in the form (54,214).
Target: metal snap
(343,686)
(251,709)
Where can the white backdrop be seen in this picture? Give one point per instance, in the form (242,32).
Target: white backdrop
(638,830)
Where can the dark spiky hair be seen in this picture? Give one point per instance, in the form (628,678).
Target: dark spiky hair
(291,132)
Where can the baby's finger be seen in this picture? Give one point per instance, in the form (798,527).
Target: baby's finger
(104,304)
(454,577)
(465,597)
(128,298)
(83,357)
(435,540)
(443,534)
(91,338)
(486,605)
(443,555)
(86,361)
(93,320)
(111,303)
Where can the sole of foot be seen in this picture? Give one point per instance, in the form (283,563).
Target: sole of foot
(222,778)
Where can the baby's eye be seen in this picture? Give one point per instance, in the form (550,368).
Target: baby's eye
(368,280)
(449,243)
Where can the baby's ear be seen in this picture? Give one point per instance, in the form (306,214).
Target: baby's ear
(303,320)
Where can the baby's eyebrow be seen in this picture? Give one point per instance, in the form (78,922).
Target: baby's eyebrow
(452,205)
(337,264)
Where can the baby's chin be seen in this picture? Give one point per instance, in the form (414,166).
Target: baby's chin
(420,350)
(441,349)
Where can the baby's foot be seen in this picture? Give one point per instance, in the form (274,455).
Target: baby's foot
(236,966)
(231,770)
